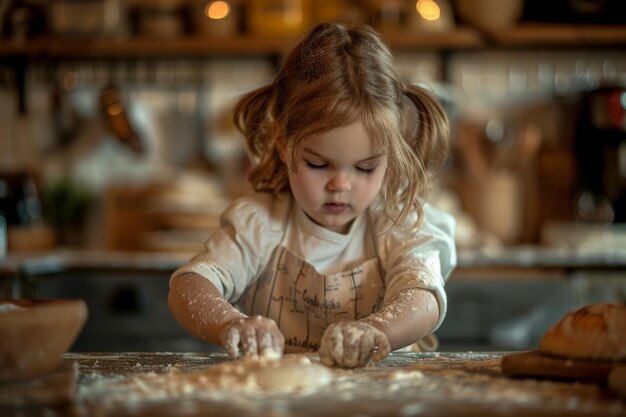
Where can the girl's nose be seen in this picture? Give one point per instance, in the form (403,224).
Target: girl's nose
(340,182)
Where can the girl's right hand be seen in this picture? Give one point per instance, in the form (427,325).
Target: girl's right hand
(252,336)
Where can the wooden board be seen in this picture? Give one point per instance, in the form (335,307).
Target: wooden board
(537,364)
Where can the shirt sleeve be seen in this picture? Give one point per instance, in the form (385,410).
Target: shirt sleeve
(423,259)
(235,254)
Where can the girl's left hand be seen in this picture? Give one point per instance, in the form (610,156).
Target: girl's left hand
(352,344)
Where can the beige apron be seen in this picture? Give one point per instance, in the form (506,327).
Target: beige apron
(304,302)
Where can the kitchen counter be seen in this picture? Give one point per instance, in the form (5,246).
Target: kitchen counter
(544,257)
(404,384)
(63,260)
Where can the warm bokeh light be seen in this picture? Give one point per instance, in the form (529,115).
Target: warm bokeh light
(217,10)
(428,9)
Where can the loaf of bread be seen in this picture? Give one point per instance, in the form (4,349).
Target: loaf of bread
(593,332)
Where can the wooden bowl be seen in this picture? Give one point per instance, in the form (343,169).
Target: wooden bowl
(34,334)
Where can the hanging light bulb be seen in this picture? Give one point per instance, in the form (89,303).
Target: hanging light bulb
(428,9)
(217,10)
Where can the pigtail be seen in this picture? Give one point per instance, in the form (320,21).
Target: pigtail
(429,136)
(253,118)
(426,134)
(253,121)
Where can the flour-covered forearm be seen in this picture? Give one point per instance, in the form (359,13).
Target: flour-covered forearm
(199,306)
(407,317)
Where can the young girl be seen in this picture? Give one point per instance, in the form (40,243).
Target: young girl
(335,251)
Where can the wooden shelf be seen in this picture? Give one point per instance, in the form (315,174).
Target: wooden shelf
(204,46)
(562,35)
(527,35)
(460,38)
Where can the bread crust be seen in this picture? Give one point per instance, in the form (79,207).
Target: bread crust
(593,332)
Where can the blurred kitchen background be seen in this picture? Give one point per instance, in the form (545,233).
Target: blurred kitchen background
(118,152)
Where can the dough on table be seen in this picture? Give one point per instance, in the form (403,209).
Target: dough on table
(288,373)
(593,332)
(292,373)
(226,381)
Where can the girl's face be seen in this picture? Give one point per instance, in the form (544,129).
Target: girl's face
(337,176)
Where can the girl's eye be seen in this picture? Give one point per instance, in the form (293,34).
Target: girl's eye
(368,170)
(315,166)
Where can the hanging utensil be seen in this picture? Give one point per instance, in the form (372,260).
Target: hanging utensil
(115,114)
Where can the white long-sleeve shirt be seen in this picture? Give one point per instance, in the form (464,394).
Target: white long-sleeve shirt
(269,258)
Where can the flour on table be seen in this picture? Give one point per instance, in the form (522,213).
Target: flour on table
(236,388)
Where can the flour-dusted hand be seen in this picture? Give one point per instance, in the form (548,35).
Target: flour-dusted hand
(252,336)
(352,344)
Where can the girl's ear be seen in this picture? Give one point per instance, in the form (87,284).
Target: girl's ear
(282,155)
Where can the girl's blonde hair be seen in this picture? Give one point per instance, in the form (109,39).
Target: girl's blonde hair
(336,76)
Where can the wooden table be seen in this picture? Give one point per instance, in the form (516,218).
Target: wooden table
(404,384)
